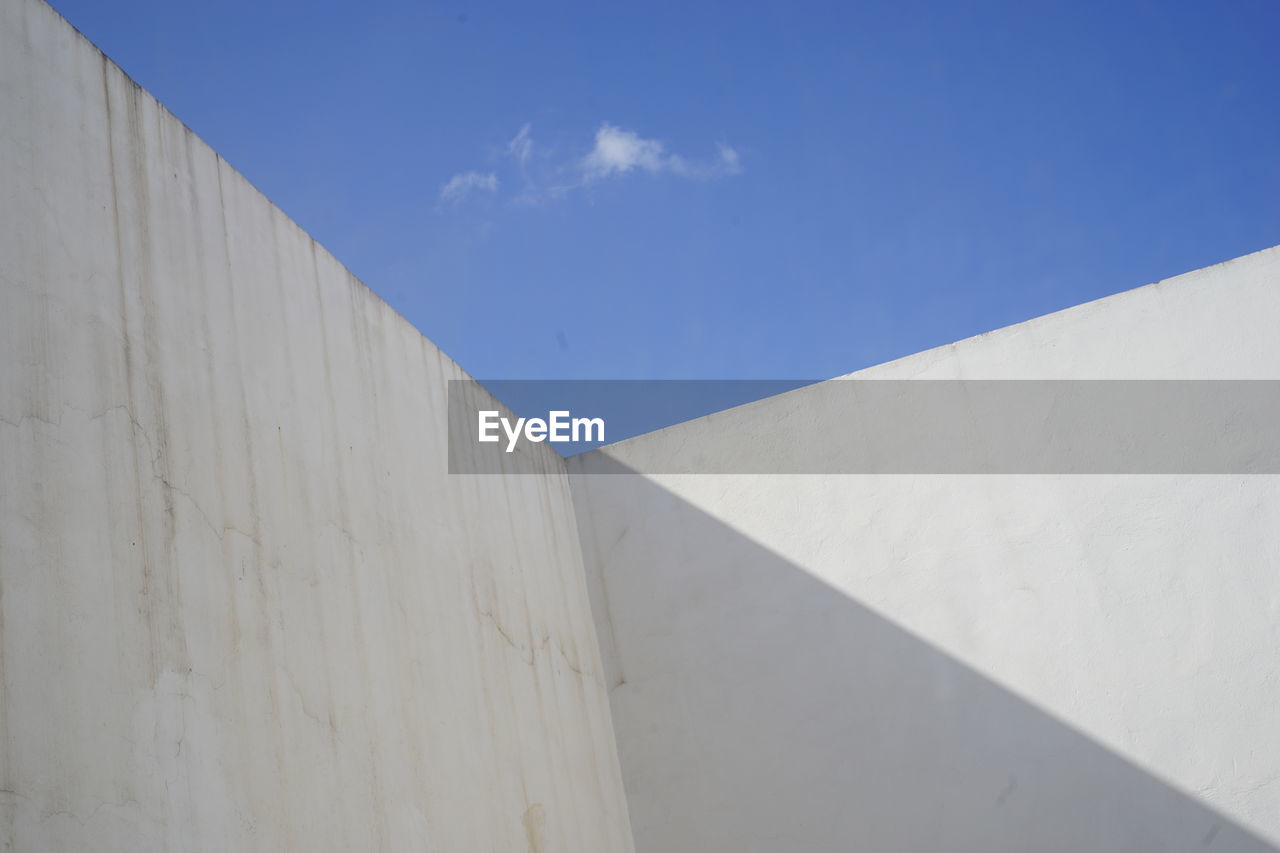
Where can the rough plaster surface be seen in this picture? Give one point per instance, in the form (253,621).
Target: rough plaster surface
(960,663)
(242,606)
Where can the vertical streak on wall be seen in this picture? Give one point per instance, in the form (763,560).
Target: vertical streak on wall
(242,604)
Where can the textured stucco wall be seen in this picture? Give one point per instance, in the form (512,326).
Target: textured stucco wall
(960,663)
(242,605)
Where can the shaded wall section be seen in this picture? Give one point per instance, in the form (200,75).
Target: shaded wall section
(242,605)
(954,662)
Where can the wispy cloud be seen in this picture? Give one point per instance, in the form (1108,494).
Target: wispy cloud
(464,184)
(520,148)
(619,151)
(614,152)
(730,163)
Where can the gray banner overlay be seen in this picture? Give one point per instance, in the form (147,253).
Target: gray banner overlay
(896,426)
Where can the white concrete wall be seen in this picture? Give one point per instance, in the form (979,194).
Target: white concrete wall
(955,663)
(242,606)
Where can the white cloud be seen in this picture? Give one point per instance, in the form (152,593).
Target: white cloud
(615,152)
(520,148)
(729,160)
(619,151)
(463,184)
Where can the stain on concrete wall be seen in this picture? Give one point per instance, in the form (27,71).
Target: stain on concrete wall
(242,605)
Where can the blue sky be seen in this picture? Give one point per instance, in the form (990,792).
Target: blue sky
(731,190)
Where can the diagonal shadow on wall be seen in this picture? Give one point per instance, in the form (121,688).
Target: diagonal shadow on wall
(759,710)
